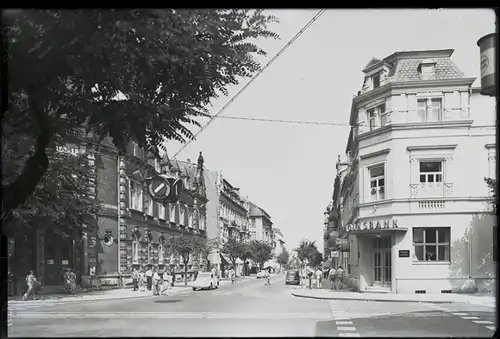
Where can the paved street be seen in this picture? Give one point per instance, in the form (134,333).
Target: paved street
(248,309)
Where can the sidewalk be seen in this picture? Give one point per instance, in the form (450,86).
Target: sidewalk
(110,294)
(475,299)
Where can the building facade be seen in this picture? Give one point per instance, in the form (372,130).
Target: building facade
(413,201)
(260,225)
(132,230)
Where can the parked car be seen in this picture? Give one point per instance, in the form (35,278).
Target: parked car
(262,274)
(205,280)
(292,277)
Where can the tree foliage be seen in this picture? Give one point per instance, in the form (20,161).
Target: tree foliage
(283,258)
(307,251)
(232,248)
(206,249)
(61,200)
(261,252)
(492,185)
(141,75)
(186,245)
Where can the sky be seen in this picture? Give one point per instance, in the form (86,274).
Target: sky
(289,169)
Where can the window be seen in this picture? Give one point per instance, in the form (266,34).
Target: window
(432,244)
(149,252)
(376,81)
(383,115)
(377,182)
(160,253)
(429,109)
(371,118)
(150,206)
(161,211)
(172,212)
(157,166)
(431,171)
(135,196)
(135,249)
(181,214)
(190,220)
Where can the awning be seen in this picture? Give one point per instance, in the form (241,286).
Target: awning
(379,231)
(225,258)
(328,263)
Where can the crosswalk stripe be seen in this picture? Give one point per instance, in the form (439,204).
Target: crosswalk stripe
(460,314)
(349,334)
(470,318)
(171,315)
(482,322)
(493,328)
(343,322)
(341,328)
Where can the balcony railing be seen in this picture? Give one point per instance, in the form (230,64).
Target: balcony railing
(431,190)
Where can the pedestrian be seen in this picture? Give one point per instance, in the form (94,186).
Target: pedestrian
(340,276)
(332,274)
(149,278)
(31,284)
(135,279)
(310,275)
(232,273)
(156,282)
(142,280)
(167,280)
(70,281)
(318,277)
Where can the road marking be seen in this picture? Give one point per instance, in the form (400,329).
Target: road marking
(470,318)
(460,314)
(349,334)
(341,318)
(482,322)
(171,315)
(342,328)
(493,328)
(343,322)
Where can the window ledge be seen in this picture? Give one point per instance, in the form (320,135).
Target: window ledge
(437,263)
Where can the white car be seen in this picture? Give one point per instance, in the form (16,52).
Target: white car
(205,280)
(262,274)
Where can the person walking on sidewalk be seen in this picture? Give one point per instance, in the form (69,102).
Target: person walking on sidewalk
(149,278)
(142,281)
(340,277)
(332,275)
(70,281)
(156,282)
(135,279)
(167,281)
(319,274)
(31,284)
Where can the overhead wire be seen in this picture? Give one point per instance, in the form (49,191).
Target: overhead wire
(282,121)
(285,47)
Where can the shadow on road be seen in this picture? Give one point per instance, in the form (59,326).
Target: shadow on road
(167,301)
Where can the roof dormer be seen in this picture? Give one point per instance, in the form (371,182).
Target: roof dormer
(427,69)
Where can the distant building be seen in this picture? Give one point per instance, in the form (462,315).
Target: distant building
(261,226)
(412,200)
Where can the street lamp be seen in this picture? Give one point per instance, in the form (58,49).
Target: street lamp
(487,46)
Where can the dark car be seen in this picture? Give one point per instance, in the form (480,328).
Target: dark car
(292,278)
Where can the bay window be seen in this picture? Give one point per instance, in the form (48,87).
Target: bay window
(431,244)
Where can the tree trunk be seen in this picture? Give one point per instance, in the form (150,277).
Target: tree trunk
(185,272)
(16,193)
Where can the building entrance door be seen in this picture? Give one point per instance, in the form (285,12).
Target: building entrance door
(382,262)
(58,256)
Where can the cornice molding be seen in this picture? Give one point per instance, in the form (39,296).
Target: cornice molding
(374,154)
(431,147)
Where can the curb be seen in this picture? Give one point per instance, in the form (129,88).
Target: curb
(41,302)
(366,299)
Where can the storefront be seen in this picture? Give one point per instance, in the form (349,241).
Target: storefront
(371,253)
(423,253)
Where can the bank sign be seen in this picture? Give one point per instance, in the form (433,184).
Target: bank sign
(371,225)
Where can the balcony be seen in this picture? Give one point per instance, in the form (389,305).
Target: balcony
(431,190)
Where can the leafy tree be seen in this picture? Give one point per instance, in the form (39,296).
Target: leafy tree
(185,246)
(492,184)
(306,251)
(140,75)
(206,249)
(232,248)
(261,252)
(245,254)
(61,200)
(283,258)
(316,259)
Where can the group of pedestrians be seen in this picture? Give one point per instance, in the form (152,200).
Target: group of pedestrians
(336,277)
(152,280)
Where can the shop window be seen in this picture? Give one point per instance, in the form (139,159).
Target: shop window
(432,244)
(431,171)
(377,182)
(135,249)
(429,109)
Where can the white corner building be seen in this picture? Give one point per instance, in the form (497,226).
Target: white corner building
(415,206)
